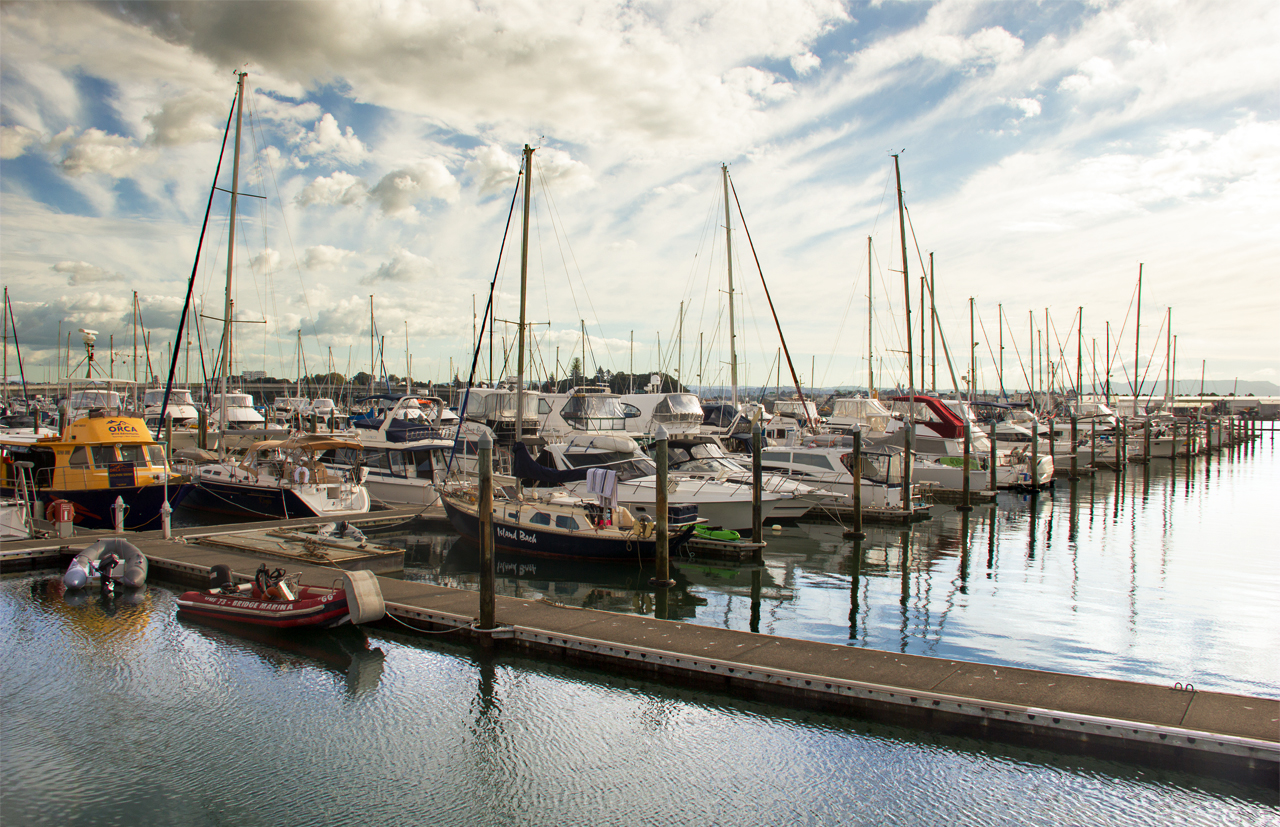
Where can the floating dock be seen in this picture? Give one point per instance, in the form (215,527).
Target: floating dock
(1211,733)
(1175,726)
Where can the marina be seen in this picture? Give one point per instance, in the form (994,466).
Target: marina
(468,415)
(760,642)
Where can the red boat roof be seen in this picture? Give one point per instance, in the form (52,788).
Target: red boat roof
(949,425)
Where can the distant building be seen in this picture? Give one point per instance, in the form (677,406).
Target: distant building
(254,375)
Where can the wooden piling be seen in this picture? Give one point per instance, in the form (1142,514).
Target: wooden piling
(662,578)
(484,511)
(1075,463)
(858,533)
(1146,441)
(1035,456)
(757,482)
(994,459)
(965,505)
(1053,440)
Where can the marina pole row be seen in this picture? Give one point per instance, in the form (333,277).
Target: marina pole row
(484,511)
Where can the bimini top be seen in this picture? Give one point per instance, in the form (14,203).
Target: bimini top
(307,442)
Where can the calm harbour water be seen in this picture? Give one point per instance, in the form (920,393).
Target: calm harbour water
(121,713)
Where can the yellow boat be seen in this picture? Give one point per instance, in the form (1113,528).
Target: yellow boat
(94,460)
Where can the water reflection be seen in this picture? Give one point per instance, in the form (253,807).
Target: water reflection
(1144,573)
(344,650)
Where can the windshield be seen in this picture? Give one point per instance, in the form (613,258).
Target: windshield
(95,399)
(594,413)
(682,407)
(627,466)
(503,405)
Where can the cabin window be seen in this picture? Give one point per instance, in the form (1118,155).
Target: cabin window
(103,455)
(817,461)
(156,454)
(137,454)
(396,459)
(566,522)
(775,456)
(376,460)
(422,462)
(540,518)
(80,456)
(544,407)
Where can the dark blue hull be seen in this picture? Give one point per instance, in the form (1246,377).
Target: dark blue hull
(542,541)
(247,501)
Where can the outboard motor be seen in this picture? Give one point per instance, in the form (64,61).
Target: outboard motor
(220,579)
(105,565)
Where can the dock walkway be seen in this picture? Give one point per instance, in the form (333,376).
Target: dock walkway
(1206,732)
(1209,732)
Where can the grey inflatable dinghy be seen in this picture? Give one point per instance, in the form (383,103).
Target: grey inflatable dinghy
(120,560)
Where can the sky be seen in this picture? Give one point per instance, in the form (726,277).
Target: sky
(1047,151)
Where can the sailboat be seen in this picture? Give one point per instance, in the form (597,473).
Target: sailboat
(277,477)
(555,522)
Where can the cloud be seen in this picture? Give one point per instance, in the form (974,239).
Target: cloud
(1094,73)
(1030,106)
(14,140)
(803,64)
(757,84)
(268,261)
(184,120)
(558,168)
(340,188)
(328,140)
(493,167)
(96,151)
(324,257)
(404,267)
(82,272)
(636,72)
(398,191)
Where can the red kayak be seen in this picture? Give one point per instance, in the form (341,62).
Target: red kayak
(275,600)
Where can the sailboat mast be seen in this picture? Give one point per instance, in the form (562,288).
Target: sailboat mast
(1137,328)
(906,282)
(1000,371)
(1168,356)
(524,281)
(933,331)
(231,257)
(373,359)
(909,440)
(728,249)
(871,373)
